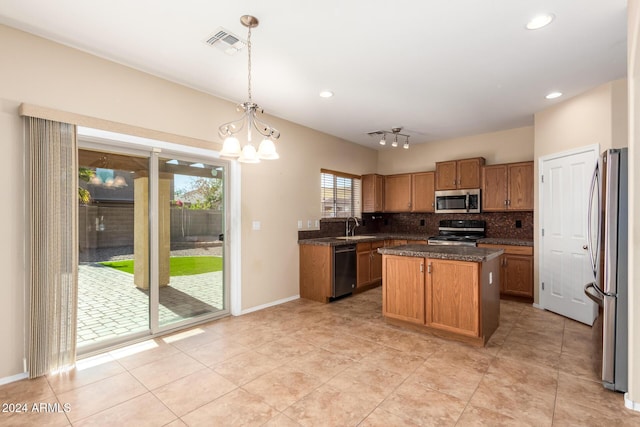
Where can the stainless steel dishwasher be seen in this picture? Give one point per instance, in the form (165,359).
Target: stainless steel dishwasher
(344,270)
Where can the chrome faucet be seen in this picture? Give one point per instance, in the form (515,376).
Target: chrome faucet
(357,224)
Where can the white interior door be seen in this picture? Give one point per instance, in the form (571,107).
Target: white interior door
(565,267)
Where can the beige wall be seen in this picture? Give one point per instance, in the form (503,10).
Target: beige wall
(39,72)
(598,116)
(12,232)
(514,145)
(278,194)
(634,199)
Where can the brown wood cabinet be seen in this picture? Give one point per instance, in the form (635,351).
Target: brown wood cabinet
(423,192)
(372,193)
(452,296)
(394,242)
(316,271)
(403,288)
(459,174)
(520,184)
(416,242)
(455,298)
(516,270)
(369,269)
(397,190)
(507,187)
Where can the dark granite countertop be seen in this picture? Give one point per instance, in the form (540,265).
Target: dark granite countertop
(506,241)
(339,241)
(454,253)
(334,241)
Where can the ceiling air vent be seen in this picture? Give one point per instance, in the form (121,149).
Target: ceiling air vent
(226,41)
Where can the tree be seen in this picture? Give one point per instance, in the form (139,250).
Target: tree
(208,192)
(84,174)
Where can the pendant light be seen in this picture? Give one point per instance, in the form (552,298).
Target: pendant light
(231,147)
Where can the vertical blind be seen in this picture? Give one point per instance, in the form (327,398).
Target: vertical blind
(53,258)
(341,195)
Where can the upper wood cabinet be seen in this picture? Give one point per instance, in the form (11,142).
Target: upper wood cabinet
(520,183)
(507,187)
(397,190)
(459,174)
(423,192)
(494,188)
(372,193)
(410,192)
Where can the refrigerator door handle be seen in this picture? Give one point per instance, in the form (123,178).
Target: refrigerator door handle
(598,299)
(592,191)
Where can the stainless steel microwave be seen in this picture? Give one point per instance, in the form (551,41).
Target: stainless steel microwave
(458,201)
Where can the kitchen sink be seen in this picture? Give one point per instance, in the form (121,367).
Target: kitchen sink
(355,237)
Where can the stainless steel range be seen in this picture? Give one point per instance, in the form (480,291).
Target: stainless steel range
(459,232)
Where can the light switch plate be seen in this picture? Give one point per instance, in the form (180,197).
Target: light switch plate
(299,224)
(255,225)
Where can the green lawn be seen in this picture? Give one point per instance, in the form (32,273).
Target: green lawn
(179,266)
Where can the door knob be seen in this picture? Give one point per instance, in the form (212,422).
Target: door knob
(585,247)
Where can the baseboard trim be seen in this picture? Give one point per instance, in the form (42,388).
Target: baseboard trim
(269,304)
(14,378)
(538,306)
(634,406)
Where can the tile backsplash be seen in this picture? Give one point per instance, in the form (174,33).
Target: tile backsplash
(499,224)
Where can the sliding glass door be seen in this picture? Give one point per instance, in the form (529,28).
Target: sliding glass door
(151,255)
(113,293)
(191,224)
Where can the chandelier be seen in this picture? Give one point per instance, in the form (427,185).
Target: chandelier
(395,133)
(228,131)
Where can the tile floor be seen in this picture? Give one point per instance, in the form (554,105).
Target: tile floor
(309,364)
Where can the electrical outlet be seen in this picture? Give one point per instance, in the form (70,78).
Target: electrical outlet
(317,223)
(309,222)
(256,225)
(299,224)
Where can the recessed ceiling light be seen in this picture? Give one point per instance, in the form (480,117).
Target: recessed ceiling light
(326,94)
(540,21)
(554,95)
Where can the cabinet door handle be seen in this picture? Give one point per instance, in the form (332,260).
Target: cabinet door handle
(429,268)
(421,268)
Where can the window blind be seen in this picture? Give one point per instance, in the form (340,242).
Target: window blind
(341,195)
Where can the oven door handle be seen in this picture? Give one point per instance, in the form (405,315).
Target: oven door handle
(466,202)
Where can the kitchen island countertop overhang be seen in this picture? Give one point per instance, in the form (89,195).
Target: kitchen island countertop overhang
(455,253)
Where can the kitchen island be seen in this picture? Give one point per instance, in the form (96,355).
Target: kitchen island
(452,291)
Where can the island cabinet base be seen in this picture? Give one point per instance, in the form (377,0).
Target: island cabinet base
(449,298)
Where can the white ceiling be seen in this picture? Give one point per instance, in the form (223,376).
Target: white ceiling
(439,69)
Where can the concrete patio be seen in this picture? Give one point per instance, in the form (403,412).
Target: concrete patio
(111,306)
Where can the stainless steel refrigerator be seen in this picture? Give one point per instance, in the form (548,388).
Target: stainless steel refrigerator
(608,237)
